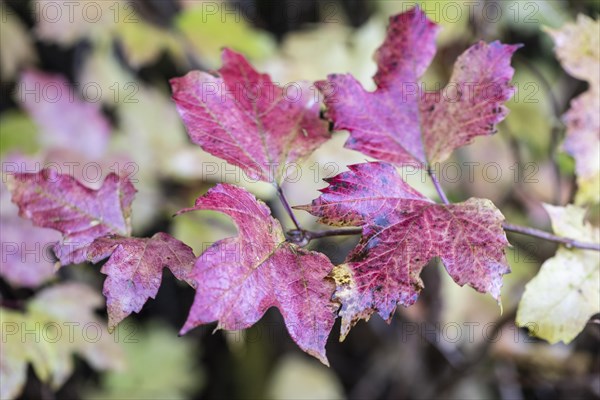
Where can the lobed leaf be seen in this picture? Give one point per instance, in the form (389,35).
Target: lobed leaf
(60,202)
(244,118)
(95,225)
(401,232)
(404,124)
(565,293)
(135,270)
(239,278)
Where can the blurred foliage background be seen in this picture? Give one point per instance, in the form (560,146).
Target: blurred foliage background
(119,56)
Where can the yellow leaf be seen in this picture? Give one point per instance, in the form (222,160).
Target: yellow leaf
(209,32)
(559,301)
(299,378)
(159,366)
(59,322)
(577,46)
(16,47)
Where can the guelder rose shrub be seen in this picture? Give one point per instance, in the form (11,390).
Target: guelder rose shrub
(242,117)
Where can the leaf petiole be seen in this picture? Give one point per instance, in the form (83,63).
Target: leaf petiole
(438,186)
(287,207)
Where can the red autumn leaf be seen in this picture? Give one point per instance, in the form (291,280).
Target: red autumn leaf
(402,231)
(135,269)
(244,118)
(60,202)
(239,278)
(406,125)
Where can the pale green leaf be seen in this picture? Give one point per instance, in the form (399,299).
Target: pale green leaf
(559,301)
(160,365)
(208,33)
(59,323)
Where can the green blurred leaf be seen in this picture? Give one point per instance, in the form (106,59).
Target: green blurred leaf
(531,116)
(529,16)
(59,322)
(208,33)
(452,16)
(143,43)
(297,377)
(559,301)
(19,133)
(160,365)
(199,230)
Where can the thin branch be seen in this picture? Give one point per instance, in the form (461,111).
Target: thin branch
(332,232)
(569,243)
(302,236)
(525,230)
(287,207)
(438,186)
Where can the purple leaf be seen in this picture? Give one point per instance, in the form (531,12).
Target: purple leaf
(244,118)
(60,202)
(402,231)
(135,270)
(403,124)
(240,278)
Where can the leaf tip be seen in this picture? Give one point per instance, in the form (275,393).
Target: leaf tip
(185,329)
(175,84)
(303,207)
(343,334)
(319,355)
